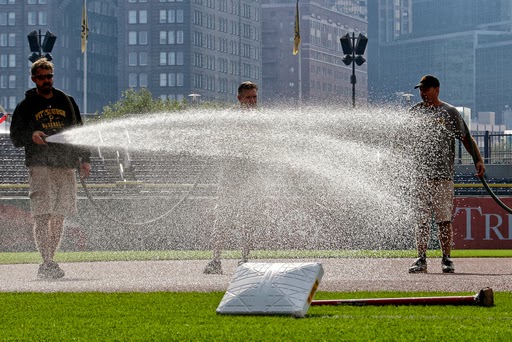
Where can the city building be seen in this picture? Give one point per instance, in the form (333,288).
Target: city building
(465,43)
(62,18)
(189,49)
(317,73)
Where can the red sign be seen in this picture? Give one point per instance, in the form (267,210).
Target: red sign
(480,223)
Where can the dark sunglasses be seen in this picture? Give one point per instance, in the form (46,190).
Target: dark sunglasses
(42,77)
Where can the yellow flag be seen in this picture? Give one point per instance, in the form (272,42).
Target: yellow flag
(296,37)
(85,28)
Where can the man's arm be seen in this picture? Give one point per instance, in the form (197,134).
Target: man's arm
(20,131)
(472,148)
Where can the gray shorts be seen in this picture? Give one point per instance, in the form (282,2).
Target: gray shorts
(52,191)
(435,197)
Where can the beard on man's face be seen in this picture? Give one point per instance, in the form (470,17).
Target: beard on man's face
(45,88)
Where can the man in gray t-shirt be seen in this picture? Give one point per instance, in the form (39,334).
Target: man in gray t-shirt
(440,125)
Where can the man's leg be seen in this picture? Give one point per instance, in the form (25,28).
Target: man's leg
(42,236)
(55,233)
(217,237)
(446,241)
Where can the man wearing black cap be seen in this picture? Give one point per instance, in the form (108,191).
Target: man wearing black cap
(441,123)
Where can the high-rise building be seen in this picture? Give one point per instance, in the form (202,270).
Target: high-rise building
(63,18)
(465,43)
(182,49)
(317,73)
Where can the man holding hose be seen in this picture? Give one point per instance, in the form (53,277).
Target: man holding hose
(441,124)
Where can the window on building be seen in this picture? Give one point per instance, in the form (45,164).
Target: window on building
(132,59)
(179,58)
(172,79)
(132,80)
(179,79)
(171,37)
(172,58)
(12,60)
(163,17)
(31,19)
(43,18)
(12,81)
(12,39)
(143,80)
(143,59)
(180,37)
(143,17)
(163,80)
(143,38)
(12,102)
(163,58)
(12,19)
(163,37)
(180,17)
(171,16)
(132,38)
(132,17)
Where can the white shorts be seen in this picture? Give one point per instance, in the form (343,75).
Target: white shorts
(52,191)
(435,197)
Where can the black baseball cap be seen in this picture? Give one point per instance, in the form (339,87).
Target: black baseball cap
(428,81)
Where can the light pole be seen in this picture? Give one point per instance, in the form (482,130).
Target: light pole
(353,48)
(37,48)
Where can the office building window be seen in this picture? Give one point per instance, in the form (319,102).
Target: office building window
(132,80)
(171,39)
(143,38)
(12,102)
(143,58)
(172,79)
(132,58)
(12,19)
(171,16)
(132,38)
(163,37)
(132,17)
(163,80)
(12,61)
(143,17)
(12,39)
(172,58)
(179,79)
(143,80)
(179,58)
(12,81)
(180,17)
(43,18)
(180,37)
(163,58)
(31,19)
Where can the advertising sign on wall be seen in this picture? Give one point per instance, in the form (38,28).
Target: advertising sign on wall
(480,223)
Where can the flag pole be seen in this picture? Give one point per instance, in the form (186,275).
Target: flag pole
(300,77)
(85,33)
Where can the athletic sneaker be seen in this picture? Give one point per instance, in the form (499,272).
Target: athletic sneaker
(213,267)
(447,264)
(419,266)
(50,270)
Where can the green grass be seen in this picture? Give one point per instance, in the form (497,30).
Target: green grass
(167,316)
(33,257)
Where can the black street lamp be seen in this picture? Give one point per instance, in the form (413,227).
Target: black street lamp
(37,48)
(353,50)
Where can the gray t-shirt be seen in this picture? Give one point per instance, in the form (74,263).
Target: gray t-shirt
(439,126)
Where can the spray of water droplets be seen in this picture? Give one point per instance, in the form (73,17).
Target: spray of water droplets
(313,177)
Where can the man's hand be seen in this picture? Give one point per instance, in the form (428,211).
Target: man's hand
(85,170)
(480,169)
(39,137)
